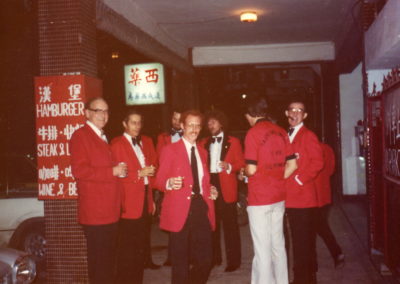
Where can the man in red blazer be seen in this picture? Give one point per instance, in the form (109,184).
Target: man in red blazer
(171,136)
(188,208)
(324,198)
(225,161)
(301,195)
(138,153)
(99,198)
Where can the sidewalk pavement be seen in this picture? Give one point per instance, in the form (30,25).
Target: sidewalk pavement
(357,269)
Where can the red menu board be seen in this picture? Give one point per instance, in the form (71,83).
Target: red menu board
(60,102)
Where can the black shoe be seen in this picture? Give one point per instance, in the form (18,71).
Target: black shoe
(339,261)
(151,265)
(231,268)
(167,262)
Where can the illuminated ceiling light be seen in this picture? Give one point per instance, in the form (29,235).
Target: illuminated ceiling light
(248,17)
(244,96)
(115,55)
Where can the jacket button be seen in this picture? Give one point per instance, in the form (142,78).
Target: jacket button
(191,186)
(188,197)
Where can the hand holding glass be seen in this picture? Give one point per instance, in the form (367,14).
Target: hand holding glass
(176,182)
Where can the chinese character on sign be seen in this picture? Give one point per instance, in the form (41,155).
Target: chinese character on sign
(49,173)
(45,94)
(135,76)
(48,133)
(152,76)
(74,92)
(69,129)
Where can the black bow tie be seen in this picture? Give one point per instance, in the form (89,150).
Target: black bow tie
(218,139)
(136,140)
(174,131)
(290,131)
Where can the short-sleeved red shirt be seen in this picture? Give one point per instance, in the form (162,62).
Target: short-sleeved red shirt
(267,146)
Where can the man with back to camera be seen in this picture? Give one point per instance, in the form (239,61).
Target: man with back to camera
(99,197)
(301,199)
(225,161)
(188,208)
(269,160)
(137,151)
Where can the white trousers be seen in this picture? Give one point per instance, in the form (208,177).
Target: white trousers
(266,226)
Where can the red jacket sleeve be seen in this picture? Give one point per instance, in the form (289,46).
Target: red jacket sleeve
(315,158)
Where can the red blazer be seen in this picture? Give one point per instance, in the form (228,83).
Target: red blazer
(91,161)
(323,182)
(132,186)
(231,153)
(163,139)
(174,161)
(310,162)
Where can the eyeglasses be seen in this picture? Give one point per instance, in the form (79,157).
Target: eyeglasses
(98,111)
(295,110)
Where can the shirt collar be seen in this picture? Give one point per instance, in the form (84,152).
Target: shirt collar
(127,136)
(296,129)
(188,145)
(261,120)
(98,131)
(221,134)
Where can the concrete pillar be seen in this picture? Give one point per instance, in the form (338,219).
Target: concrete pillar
(67,46)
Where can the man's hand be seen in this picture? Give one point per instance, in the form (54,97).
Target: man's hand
(213,193)
(224,166)
(148,171)
(241,175)
(175,183)
(120,170)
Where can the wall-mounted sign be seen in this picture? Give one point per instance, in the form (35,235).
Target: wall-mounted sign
(60,104)
(144,84)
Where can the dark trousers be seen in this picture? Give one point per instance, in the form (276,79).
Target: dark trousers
(226,215)
(101,244)
(132,242)
(192,246)
(324,231)
(303,232)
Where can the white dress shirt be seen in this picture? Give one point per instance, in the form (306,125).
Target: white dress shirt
(294,133)
(99,132)
(215,154)
(175,137)
(139,154)
(291,138)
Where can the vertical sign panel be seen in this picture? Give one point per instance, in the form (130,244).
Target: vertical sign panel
(60,107)
(144,84)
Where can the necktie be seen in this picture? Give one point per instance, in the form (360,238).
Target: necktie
(136,140)
(195,173)
(290,131)
(215,138)
(174,131)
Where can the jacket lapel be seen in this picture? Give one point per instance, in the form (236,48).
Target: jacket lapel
(225,147)
(128,146)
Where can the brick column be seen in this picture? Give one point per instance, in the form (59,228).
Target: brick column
(67,46)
